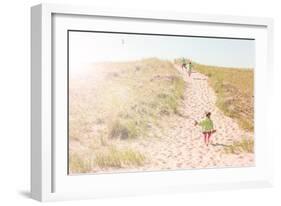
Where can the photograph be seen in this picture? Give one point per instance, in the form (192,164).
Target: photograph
(140,102)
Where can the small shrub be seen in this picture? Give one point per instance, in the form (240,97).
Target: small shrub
(137,68)
(99,121)
(123,130)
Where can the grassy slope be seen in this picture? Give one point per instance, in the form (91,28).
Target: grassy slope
(235,92)
(123,103)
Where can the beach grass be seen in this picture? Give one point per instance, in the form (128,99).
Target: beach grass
(107,157)
(119,101)
(242,146)
(112,157)
(234,88)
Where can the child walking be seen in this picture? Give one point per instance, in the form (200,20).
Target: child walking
(207,126)
(183,66)
(190,66)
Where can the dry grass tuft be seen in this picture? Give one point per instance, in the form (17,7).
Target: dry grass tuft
(242,146)
(113,157)
(79,163)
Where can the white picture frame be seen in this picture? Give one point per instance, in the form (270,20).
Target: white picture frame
(49,179)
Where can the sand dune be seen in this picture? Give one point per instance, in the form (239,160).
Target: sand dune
(180,144)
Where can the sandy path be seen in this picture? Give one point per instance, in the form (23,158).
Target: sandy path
(181,144)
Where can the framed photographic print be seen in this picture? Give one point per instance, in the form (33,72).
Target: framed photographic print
(134,102)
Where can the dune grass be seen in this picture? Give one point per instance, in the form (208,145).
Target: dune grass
(108,157)
(119,101)
(235,92)
(242,146)
(113,157)
(79,163)
(131,97)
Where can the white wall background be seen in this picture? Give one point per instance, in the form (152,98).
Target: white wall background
(15,104)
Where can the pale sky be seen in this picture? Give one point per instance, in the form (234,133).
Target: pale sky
(89,47)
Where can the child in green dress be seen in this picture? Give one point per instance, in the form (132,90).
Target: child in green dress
(207,126)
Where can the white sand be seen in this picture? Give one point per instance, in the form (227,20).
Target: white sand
(181,144)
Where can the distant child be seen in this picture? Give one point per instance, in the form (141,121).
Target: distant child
(190,66)
(207,127)
(183,66)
